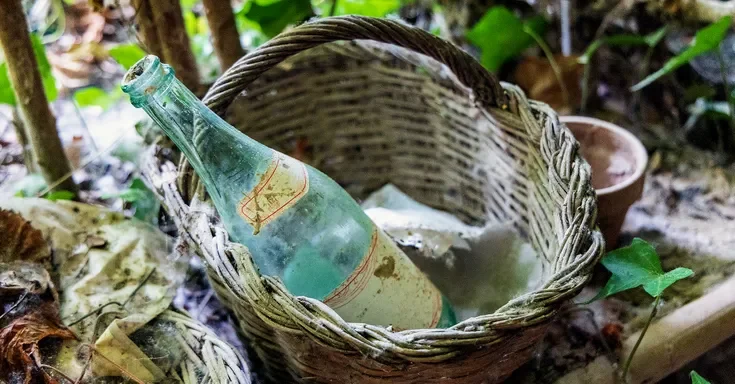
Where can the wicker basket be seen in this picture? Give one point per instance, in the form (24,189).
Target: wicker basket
(392,103)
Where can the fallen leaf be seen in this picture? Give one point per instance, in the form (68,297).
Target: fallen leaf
(25,278)
(537,78)
(21,241)
(19,342)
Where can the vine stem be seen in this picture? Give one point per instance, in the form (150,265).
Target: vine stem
(640,338)
(554,65)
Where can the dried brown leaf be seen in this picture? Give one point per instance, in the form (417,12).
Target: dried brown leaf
(22,242)
(19,342)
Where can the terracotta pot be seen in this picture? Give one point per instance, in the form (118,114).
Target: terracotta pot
(618,161)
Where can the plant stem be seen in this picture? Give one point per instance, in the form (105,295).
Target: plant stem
(640,338)
(554,65)
(333,9)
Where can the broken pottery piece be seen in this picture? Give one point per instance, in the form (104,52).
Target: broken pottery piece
(618,160)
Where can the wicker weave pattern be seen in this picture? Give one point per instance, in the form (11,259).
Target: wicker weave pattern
(452,137)
(208,359)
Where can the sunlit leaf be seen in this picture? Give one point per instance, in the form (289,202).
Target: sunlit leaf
(127,54)
(44,68)
(638,265)
(60,195)
(274,16)
(697,379)
(500,36)
(705,40)
(96,97)
(372,8)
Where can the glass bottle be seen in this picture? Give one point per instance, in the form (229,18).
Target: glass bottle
(297,223)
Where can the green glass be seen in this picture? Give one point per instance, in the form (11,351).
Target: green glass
(314,245)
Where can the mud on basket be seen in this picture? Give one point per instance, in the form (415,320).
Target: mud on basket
(380,102)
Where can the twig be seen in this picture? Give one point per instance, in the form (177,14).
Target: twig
(130,297)
(84,124)
(58,371)
(22,298)
(554,65)
(84,165)
(640,338)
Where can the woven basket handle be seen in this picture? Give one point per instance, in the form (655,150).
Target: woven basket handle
(486,87)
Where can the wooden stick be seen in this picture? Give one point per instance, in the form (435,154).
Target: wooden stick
(225,38)
(40,123)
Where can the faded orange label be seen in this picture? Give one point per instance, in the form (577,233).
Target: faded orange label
(281,186)
(387,289)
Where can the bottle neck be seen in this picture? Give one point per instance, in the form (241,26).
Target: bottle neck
(153,87)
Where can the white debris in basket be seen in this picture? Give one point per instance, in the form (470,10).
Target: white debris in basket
(479,269)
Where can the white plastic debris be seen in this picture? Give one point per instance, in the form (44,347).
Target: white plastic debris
(479,269)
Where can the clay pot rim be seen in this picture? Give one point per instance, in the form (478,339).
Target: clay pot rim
(641,155)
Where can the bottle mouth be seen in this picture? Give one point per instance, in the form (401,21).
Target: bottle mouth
(145,78)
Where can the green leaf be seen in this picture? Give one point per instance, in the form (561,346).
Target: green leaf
(6,89)
(127,54)
(705,40)
(697,379)
(638,265)
(274,16)
(96,97)
(650,40)
(500,36)
(44,68)
(372,8)
(60,195)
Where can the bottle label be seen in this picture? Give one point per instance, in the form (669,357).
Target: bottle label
(283,184)
(387,285)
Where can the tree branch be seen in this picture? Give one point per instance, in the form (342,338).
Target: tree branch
(225,38)
(175,42)
(40,123)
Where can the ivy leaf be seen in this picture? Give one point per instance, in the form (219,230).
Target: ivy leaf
(638,265)
(372,8)
(705,40)
(274,16)
(127,54)
(651,40)
(97,97)
(44,68)
(697,379)
(500,35)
